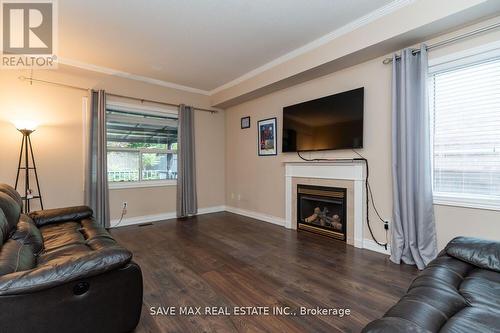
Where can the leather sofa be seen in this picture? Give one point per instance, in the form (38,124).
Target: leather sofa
(61,272)
(459,291)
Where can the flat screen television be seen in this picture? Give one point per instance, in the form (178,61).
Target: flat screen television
(327,123)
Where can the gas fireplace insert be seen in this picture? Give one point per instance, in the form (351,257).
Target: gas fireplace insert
(322,210)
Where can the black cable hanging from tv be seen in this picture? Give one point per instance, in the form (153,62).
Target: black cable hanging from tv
(369,193)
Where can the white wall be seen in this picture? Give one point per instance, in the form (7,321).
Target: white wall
(257,183)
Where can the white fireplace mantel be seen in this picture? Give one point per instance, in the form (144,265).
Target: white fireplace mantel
(353,171)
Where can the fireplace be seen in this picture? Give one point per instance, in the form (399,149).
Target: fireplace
(322,210)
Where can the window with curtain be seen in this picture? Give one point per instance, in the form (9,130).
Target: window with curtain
(142,146)
(465,102)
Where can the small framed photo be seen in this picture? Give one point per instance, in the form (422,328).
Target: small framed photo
(267,137)
(245,122)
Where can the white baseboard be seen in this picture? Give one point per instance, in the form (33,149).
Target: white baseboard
(367,244)
(209,210)
(370,244)
(258,216)
(126,221)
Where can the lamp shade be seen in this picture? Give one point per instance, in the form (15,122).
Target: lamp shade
(25,124)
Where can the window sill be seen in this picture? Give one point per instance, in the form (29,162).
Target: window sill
(147,183)
(484,203)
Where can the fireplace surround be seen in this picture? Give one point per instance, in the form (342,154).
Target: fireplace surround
(348,175)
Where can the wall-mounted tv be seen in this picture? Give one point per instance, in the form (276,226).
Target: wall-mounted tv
(327,123)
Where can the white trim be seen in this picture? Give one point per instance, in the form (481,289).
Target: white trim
(353,25)
(359,212)
(126,221)
(133,120)
(142,184)
(85,143)
(256,215)
(210,210)
(145,109)
(126,75)
(327,170)
(369,244)
(466,57)
(467,202)
(160,217)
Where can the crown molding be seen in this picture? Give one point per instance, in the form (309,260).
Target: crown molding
(126,75)
(362,21)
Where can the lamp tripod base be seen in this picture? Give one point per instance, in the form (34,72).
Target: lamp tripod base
(27,151)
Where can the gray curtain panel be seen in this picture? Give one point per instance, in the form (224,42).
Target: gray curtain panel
(413,229)
(96,176)
(186,164)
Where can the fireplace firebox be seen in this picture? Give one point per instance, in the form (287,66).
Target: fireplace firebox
(322,210)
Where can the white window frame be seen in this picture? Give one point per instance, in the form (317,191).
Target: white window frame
(148,110)
(483,53)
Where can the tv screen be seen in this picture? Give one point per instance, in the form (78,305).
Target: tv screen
(327,123)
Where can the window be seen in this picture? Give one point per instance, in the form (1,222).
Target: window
(465,101)
(142,146)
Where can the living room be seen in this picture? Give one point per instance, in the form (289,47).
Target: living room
(230,166)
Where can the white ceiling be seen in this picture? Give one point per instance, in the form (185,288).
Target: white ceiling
(197,43)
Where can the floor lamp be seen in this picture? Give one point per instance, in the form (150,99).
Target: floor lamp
(24,165)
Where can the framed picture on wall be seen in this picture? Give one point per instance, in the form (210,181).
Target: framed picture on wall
(267,137)
(245,122)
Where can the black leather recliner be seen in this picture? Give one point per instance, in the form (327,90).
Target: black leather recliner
(61,272)
(457,292)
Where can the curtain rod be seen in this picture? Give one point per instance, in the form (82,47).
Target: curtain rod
(451,40)
(142,100)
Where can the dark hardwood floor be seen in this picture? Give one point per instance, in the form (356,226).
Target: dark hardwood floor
(227,260)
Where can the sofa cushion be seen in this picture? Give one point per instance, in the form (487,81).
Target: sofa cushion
(28,234)
(444,272)
(428,307)
(479,252)
(472,320)
(4,228)
(9,190)
(58,215)
(11,209)
(61,234)
(481,289)
(16,256)
(72,250)
(19,251)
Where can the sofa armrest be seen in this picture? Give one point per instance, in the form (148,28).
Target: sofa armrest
(115,297)
(80,265)
(57,215)
(478,252)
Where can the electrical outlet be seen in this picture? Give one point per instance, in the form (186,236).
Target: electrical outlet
(239,197)
(232,196)
(124,208)
(386,224)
